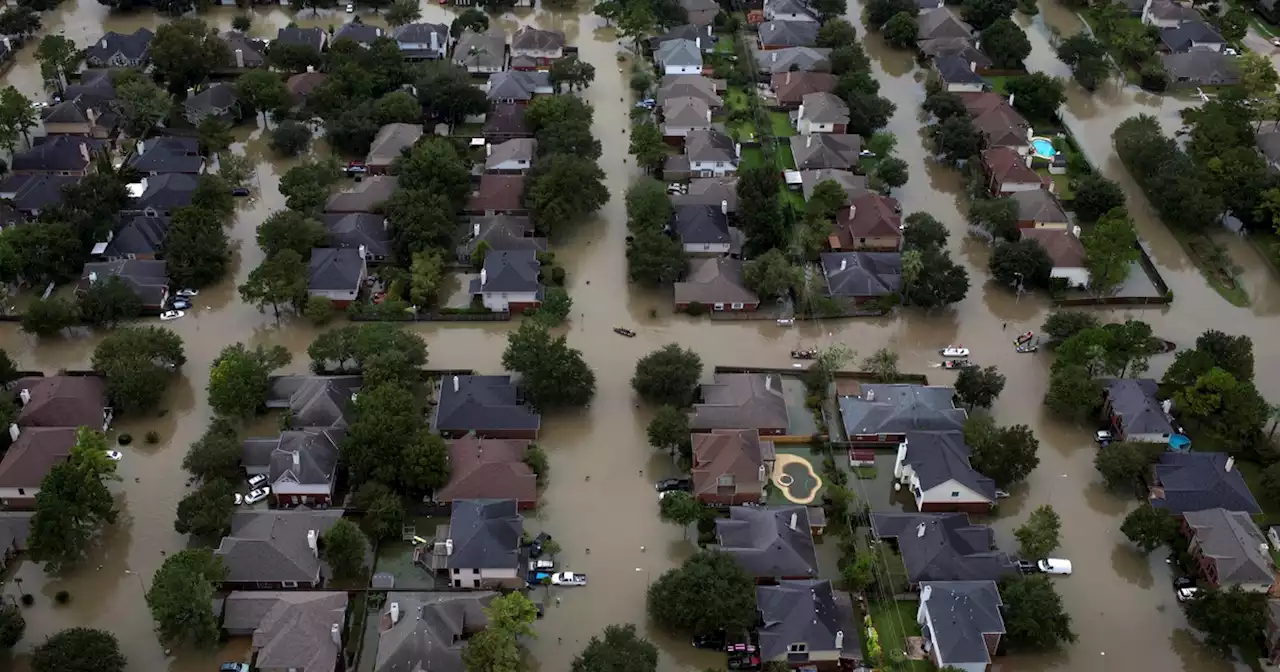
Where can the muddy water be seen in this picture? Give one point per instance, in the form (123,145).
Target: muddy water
(600,496)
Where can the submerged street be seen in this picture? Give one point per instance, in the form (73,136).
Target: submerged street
(600,494)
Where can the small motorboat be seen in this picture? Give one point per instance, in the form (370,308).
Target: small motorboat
(786,321)
(1028,347)
(811,353)
(955,364)
(955,352)
(171,315)
(624,332)
(1024,338)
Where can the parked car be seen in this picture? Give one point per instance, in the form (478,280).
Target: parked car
(234,667)
(714,641)
(1028,567)
(255,481)
(535,546)
(357,168)
(258,495)
(1002,494)
(1185,594)
(180,304)
(115,455)
(240,191)
(666,484)
(542,565)
(568,579)
(171,315)
(1055,566)
(1184,582)
(1103,436)
(187,293)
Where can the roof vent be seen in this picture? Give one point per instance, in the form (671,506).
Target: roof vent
(871,395)
(920,531)
(1231,462)
(25,395)
(448,546)
(455,383)
(927,592)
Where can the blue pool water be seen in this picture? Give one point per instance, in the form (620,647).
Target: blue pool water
(1043,148)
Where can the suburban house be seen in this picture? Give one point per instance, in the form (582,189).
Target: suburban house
(117,50)
(731,466)
(1229,550)
(999,123)
(1065,250)
(1195,481)
(703,229)
(358,32)
(497,195)
(941,23)
(160,195)
(354,230)
(808,624)
(246,53)
(701,12)
(961,622)
(364,196)
(687,31)
(481,53)
(273,550)
(76,117)
(518,86)
(217,100)
(793,59)
(499,232)
(482,544)
(1201,67)
(422,41)
(680,57)
(826,151)
(33,452)
(870,223)
(57,155)
(706,191)
(148,278)
(337,274)
(741,401)
(316,38)
(33,194)
(690,86)
(854,185)
(964,47)
(935,468)
(505,121)
(707,153)
(93,89)
(1167,14)
(923,6)
(682,116)
(63,401)
(1008,172)
(862,276)
(716,283)
(139,238)
(513,157)
(958,75)
(167,155)
(790,88)
(783,34)
(302,84)
(885,413)
(300,465)
(1135,412)
(789,10)
(942,547)
(1191,36)
(293,630)
(489,469)
(1040,209)
(428,631)
(821,112)
(509,281)
(391,141)
(536,48)
(489,407)
(770,543)
(313,402)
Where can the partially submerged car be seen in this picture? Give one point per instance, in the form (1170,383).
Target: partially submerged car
(1055,566)
(568,579)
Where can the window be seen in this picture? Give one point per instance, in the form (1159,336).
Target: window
(736,306)
(726,480)
(798,648)
(955,493)
(475,571)
(289,584)
(457,571)
(718,306)
(22,491)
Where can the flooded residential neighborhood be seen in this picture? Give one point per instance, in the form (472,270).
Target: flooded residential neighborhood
(599,503)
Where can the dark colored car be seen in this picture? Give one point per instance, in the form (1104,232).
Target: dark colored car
(240,191)
(1184,582)
(535,546)
(715,641)
(1028,567)
(669,484)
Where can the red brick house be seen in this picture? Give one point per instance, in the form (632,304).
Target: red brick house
(731,466)
(1008,171)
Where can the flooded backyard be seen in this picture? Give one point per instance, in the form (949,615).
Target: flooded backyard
(600,495)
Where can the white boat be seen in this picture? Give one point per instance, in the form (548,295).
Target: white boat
(171,315)
(955,351)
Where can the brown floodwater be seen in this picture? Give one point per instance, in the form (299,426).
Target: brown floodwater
(599,496)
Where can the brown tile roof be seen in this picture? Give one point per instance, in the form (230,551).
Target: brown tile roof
(791,87)
(489,469)
(65,401)
(714,280)
(497,192)
(507,119)
(993,115)
(34,453)
(741,401)
(1063,247)
(1007,165)
(301,85)
(730,452)
(868,216)
(1039,206)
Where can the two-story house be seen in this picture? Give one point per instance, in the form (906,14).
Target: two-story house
(935,468)
(481,53)
(513,157)
(1008,172)
(273,550)
(481,544)
(808,625)
(117,50)
(961,623)
(703,229)
(680,57)
(422,41)
(711,153)
(822,112)
(536,49)
(731,466)
(337,274)
(509,281)
(1229,550)
(682,116)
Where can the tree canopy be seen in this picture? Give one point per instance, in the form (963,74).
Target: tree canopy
(206,511)
(79,650)
(1122,465)
(497,647)
(1041,534)
(1228,618)
(709,592)
(1150,528)
(180,594)
(344,548)
(238,379)
(73,503)
(620,649)
(668,375)
(216,454)
(138,363)
(977,386)
(1034,618)
(552,374)
(1006,455)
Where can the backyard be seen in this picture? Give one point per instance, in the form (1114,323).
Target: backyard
(895,621)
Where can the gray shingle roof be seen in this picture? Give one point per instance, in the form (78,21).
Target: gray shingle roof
(943,546)
(700,224)
(861,274)
(954,69)
(1198,481)
(314,401)
(708,144)
(252,50)
(1238,548)
(1269,140)
(390,141)
(1202,66)
(139,235)
(741,401)
(133,46)
(824,108)
(515,149)
(1190,33)
(167,155)
(772,7)
(306,457)
(939,457)
(166,192)
(149,279)
(854,185)
(900,408)
(686,113)
(420,33)
(57,153)
(528,38)
(517,84)
(805,59)
(960,613)
(431,632)
(271,546)
(712,280)
(687,31)
(789,33)
(805,611)
(485,533)
(689,86)
(769,542)
(353,229)
(941,23)
(365,196)
(309,37)
(679,53)
(500,232)
(480,50)
(213,99)
(35,192)
(478,403)
(825,150)
(508,271)
(291,629)
(714,191)
(1039,205)
(335,269)
(358,32)
(1135,401)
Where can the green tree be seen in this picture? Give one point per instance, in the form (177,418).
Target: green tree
(138,363)
(424,463)
(293,57)
(445,90)
(306,185)
(536,459)
(571,72)
(827,199)
(1037,95)
(46,317)
(196,249)
(143,104)
(879,12)
(555,308)
(1004,41)
(900,32)
(388,419)
(669,429)
(1228,618)
(436,166)
(859,574)
(955,138)
(771,275)
(941,281)
(1087,58)
(552,374)
(472,19)
(620,650)
(420,220)
(997,216)
(108,302)
(1006,455)
(397,107)
(681,508)
(291,230)
(836,32)
(1095,196)
(425,275)
(8,368)
(359,348)
(1122,465)
(891,172)
(668,375)
(79,650)
(1041,534)
(1063,324)
(1074,393)
(318,309)
(17,117)
(1150,528)
(497,648)
(654,258)
(58,57)
(984,13)
(216,454)
(290,138)
(281,279)
(12,625)
(73,503)
(403,12)
(263,91)
(239,378)
(184,52)
(383,511)
(1021,264)
(206,511)
(923,232)
(883,364)
(1110,248)
(214,135)
(40,252)
(242,23)
(1034,618)
(708,592)
(344,548)
(977,386)
(180,594)
(562,189)
(647,146)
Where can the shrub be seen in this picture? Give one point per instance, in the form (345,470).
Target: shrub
(125,439)
(62,597)
(153,437)
(557,276)
(28,599)
(695,309)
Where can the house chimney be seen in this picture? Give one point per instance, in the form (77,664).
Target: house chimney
(483,277)
(14,432)
(1165,405)
(1231,462)
(1011,100)
(297,460)
(93,277)
(724,207)
(363,252)
(920,531)
(1028,160)
(1075,231)
(844,263)
(488,149)
(794,517)
(353,397)
(800,112)
(775,57)
(871,395)
(103,43)
(435,41)
(335,633)
(808,139)
(697,42)
(455,383)
(763,475)
(25,395)
(475,230)
(240,58)
(737,149)
(140,147)
(311,543)
(395,613)
(708,115)
(927,592)
(84,152)
(448,546)
(973,66)
(768,381)
(839,639)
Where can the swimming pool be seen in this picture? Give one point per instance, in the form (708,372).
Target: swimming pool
(1043,148)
